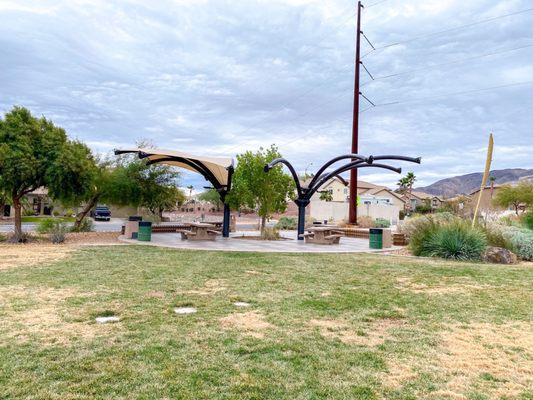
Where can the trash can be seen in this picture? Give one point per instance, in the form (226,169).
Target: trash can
(145,231)
(376,238)
(132,227)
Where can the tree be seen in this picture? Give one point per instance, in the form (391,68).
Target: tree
(253,188)
(521,194)
(213,197)
(191,188)
(128,181)
(326,195)
(492,179)
(34,153)
(406,186)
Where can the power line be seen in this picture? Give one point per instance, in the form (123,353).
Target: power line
(455,93)
(375,4)
(462,60)
(483,21)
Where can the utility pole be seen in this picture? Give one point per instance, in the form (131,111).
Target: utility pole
(355,124)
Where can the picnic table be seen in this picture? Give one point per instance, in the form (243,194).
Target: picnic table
(199,231)
(325,234)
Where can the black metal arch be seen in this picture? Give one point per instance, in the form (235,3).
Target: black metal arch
(321,177)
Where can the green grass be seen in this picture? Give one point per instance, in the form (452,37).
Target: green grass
(323,326)
(37,219)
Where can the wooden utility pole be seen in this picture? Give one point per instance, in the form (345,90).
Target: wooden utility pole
(355,124)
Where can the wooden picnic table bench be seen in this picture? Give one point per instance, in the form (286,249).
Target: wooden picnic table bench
(323,235)
(199,231)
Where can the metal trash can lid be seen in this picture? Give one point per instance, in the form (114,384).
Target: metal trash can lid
(145,223)
(135,218)
(375,231)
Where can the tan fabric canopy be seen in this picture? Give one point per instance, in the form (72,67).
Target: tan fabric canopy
(215,169)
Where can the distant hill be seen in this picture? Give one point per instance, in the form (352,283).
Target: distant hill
(465,184)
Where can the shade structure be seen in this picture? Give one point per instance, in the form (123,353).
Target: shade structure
(217,170)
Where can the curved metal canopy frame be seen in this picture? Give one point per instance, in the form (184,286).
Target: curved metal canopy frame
(321,177)
(198,166)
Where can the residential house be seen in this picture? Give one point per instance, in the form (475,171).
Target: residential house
(418,199)
(373,200)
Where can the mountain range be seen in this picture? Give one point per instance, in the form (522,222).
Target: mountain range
(465,184)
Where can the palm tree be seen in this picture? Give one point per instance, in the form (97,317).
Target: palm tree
(190,187)
(406,185)
(491,180)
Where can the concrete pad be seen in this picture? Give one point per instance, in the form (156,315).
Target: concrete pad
(233,243)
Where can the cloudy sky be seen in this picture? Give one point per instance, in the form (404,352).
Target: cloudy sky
(218,77)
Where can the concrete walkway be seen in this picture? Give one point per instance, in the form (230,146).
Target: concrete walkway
(291,245)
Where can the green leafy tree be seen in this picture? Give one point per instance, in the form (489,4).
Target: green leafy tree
(34,153)
(326,195)
(253,188)
(515,196)
(213,197)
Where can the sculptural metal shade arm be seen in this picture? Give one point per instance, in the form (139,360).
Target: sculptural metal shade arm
(417,160)
(277,161)
(347,167)
(352,156)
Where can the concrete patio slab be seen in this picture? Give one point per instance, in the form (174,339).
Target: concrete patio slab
(238,242)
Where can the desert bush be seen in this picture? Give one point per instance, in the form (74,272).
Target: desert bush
(456,240)
(86,225)
(496,237)
(509,220)
(423,209)
(527,220)
(521,240)
(3,238)
(381,223)
(365,221)
(287,223)
(58,232)
(46,225)
(270,234)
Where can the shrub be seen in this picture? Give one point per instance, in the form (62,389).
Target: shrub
(46,225)
(86,225)
(509,221)
(521,240)
(3,238)
(287,223)
(381,223)
(527,220)
(496,237)
(365,221)
(270,234)
(457,240)
(58,232)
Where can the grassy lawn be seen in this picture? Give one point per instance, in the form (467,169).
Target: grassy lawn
(37,219)
(319,326)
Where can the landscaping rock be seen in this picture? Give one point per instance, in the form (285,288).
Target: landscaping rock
(185,310)
(107,320)
(499,255)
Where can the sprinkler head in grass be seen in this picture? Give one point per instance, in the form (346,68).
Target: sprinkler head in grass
(107,320)
(184,310)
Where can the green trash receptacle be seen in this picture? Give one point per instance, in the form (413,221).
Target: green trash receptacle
(145,231)
(376,238)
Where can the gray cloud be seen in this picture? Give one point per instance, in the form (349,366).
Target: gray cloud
(223,76)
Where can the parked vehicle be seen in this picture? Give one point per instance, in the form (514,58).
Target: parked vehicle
(101,213)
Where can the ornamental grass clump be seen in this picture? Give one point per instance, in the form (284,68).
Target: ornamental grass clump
(445,236)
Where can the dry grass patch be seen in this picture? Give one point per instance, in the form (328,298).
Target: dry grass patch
(249,323)
(211,286)
(45,319)
(405,283)
(372,334)
(494,359)
(23,255)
